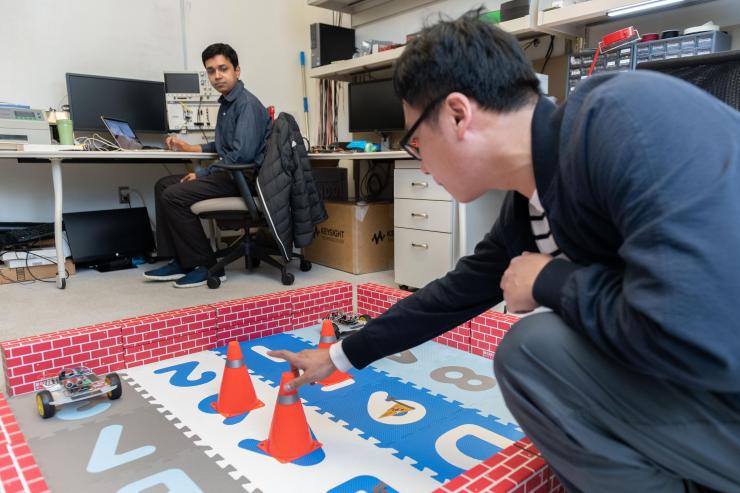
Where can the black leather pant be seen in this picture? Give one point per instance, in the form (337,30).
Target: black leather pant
(603,427)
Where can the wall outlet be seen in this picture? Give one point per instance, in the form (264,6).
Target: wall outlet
(124,195)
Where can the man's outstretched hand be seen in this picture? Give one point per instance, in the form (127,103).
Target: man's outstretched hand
(315,365)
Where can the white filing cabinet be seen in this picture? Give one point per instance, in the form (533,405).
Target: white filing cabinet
(431,230)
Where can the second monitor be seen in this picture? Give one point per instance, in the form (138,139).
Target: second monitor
(374,107)
(139,102)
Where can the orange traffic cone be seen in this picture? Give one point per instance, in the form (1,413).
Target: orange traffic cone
(237,395)
(328,337)
(290,438)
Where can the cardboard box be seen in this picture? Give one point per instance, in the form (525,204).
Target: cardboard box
(22,274)
(356,238)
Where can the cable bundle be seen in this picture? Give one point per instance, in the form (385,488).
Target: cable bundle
(329,98)
(97,143)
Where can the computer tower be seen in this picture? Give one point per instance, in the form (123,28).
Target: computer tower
(331,43)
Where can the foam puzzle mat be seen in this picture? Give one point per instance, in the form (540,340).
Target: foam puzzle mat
(409,422)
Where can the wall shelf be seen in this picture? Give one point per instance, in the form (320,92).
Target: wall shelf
(571,21)
(521,27)
(367,11)
(345,69)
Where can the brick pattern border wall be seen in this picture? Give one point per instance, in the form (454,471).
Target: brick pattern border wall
(141,340)
(487,330)
(27,361)
(518,468)
(18,469)
(149,338)
(310,305)
(374,299)
(250,318)
(136,341)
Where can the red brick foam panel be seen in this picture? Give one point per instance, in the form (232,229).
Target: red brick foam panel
(518,468)
(313,303)
(249,318)
(30,360)
(171,347)
(136,341)
(487,330)
(18,469)
(374,300)
(164,326)
(152,338)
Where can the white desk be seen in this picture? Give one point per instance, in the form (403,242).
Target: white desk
(360,155)
(56,159)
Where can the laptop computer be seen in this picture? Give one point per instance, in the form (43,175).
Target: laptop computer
(125,136)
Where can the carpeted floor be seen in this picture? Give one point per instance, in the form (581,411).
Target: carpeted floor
(92,297)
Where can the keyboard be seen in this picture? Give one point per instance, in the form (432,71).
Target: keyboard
(26,235)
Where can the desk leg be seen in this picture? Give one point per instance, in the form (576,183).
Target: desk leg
(56,176)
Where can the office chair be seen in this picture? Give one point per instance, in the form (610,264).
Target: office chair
(244,212)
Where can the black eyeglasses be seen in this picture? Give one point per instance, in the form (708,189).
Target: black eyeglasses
(406,142)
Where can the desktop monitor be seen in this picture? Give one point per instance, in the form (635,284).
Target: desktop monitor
(181,83)
(374,107)
(104,236)
(139,102)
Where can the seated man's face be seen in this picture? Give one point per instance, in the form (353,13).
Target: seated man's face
(222,74)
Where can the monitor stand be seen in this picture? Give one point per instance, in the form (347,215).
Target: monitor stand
(117,264)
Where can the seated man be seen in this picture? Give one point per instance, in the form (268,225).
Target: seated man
(242,130)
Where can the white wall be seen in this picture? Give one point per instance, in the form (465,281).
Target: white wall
(43,39)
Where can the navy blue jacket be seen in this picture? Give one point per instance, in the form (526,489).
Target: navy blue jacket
(639,174)
(242,129)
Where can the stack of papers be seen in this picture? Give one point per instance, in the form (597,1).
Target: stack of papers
(9,145)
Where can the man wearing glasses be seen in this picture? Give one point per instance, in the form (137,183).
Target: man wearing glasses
(626,230)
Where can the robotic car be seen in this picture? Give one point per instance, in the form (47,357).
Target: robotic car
(346,323)
(75,384)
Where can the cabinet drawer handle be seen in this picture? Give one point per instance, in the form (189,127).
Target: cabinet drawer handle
(420,214)
(420,184)
(425,246)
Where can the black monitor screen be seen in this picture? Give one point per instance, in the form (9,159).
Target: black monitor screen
(374,106)
(108,235)
(181,83)
(139,102)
